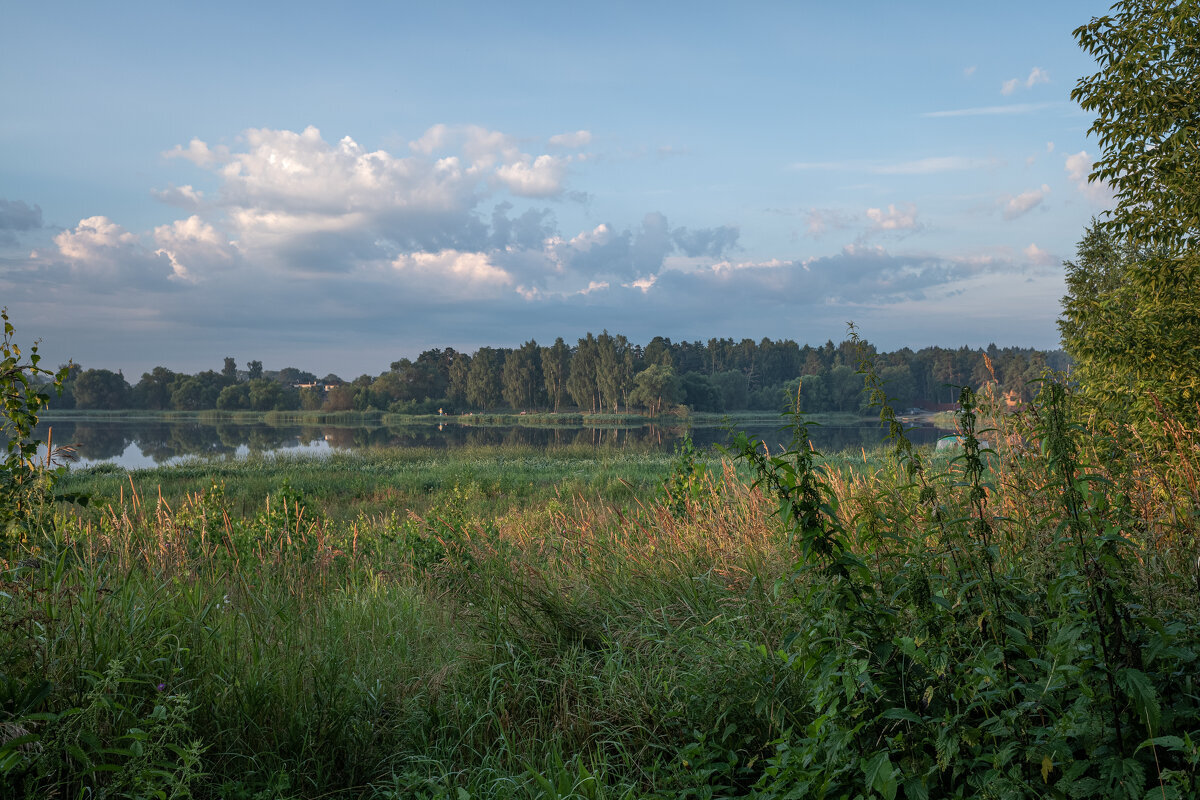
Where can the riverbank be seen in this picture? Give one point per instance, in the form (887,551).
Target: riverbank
(563,418)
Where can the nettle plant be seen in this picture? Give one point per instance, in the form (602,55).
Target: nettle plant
(25,480)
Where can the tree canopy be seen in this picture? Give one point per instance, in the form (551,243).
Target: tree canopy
(1131,318)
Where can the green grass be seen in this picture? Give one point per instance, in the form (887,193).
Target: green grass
(515,623)
(344,485)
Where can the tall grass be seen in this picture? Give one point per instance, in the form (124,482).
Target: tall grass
(1017,620)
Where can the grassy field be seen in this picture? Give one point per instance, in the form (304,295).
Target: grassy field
(507,623)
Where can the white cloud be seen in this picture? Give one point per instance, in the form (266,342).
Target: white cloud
(594,286)
(186,196)
(473,269)
(199,153)
(1025,202)
(988,111)
(433,139)
(893,219)
(571,141)
(1038,256)
(645,284)
(193,247)
(969,71)
(1036,75)
(543,177)
(102,252)
(1079,166)
(92,235)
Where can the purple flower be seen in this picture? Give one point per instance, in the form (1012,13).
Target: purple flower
(162,686)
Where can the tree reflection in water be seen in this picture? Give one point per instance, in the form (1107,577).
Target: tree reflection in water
(161,441)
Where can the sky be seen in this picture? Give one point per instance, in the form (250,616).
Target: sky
(337,186)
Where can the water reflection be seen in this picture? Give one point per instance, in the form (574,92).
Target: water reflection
(137,443)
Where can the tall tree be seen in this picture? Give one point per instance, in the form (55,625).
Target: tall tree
(255,369)
(521,378)
(483,378)
(613,378)
(457,374)
(101,389)
(556,363)
(153,391)
(229,371)
(582,381)
(1148,128)
(655,388)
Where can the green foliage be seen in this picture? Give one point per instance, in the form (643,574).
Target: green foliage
(1133,312)
(690,486)
(656,389)
(1135,347)
(25,480)
(1147,114)
(102,747)
(101,388)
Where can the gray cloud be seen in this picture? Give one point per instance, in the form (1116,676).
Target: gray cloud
(17,216)
(706,242)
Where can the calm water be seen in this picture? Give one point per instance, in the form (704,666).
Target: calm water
(136,444)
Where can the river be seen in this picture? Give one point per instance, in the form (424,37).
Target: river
(141,444)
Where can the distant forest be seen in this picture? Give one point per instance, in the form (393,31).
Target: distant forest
(600,373)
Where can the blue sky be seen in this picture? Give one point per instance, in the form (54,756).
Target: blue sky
(336,186)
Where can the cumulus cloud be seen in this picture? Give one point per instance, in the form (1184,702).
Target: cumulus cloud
(1078,167)
(894,219)
(474,271)
(571,141)
(199,153)
(1038,256)
(194,248)
(99,250)
(186,197)
(91,235)
(293,198)
(1025,202)
(291,203)
(540,177)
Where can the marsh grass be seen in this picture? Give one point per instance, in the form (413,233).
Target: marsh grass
(1017,620)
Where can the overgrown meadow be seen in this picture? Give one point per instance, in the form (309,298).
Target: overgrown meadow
(1017,617)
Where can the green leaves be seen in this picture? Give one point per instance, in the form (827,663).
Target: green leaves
(881,775)
(24,483)
(1131,318)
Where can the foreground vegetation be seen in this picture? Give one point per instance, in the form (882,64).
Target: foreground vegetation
(516,624)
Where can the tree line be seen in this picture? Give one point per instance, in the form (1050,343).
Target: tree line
(600,373)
